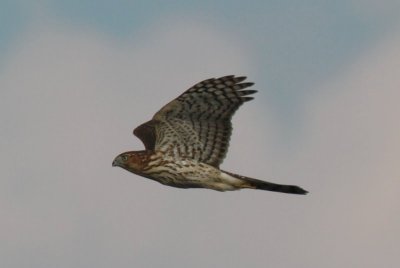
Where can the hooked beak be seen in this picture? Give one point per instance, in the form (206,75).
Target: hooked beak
(115,163)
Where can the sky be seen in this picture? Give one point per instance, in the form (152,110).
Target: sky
(77,76)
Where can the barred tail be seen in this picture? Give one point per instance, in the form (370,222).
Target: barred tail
(268,186)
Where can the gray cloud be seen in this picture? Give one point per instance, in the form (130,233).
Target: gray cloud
(69,101)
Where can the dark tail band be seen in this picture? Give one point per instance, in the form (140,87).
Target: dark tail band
(269,186)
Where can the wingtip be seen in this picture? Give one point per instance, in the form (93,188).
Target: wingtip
(239,79)
(244,99)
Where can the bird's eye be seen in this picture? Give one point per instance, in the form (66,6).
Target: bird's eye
(125,158)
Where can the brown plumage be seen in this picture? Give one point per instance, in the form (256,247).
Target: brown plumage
(187,140)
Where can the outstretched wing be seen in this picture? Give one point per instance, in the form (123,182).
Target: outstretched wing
(197,124)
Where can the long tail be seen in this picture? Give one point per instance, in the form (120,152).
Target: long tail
(268,186)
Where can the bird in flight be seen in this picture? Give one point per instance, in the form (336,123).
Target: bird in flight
(187,140)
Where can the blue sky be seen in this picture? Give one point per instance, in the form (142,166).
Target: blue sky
(77,76)
(310,40)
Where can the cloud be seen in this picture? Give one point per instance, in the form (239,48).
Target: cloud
(353,150)
(69,100)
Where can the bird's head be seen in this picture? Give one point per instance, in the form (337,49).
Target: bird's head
(131,161)
(121,160)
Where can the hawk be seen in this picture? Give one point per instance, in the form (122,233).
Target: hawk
(187,140)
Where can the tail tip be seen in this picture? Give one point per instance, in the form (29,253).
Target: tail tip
(298,190)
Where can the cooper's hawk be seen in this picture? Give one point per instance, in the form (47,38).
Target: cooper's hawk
(188,139)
